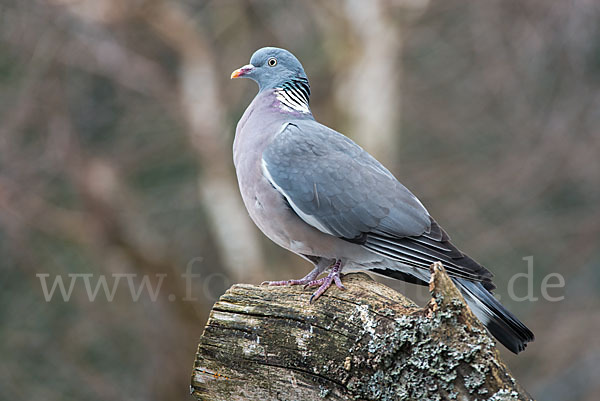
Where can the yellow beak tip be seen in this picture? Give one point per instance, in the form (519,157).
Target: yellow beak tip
(242,71)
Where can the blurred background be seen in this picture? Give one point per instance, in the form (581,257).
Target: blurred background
(116,125)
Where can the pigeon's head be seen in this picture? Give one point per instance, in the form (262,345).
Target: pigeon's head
(270,67)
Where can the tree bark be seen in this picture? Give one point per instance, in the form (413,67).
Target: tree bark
(367,342)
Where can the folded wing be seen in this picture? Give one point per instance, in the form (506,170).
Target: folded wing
(338,188)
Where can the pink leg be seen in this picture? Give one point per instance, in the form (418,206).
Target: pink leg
(304,280)
(325,282)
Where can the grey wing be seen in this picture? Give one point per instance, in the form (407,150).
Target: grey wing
(423,250)
(337,187)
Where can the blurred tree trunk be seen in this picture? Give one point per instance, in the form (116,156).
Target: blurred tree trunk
(372,78)
(370,87)
(202,111)
(368,342)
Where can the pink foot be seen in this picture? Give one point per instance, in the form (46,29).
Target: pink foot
(304,280)
(325,282)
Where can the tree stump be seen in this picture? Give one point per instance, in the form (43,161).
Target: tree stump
(365,343)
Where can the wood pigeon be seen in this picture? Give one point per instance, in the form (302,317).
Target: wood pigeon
(318,194)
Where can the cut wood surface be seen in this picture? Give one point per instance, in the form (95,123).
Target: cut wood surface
(365,343)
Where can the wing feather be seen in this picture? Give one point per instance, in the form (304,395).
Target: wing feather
(338,188)
(355,193)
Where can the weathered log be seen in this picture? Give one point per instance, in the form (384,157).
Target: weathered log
(367,342)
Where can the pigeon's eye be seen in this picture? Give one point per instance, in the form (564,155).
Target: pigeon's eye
(272,62)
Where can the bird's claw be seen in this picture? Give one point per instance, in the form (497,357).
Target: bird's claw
(310,280)
(284,282)
(306,279)
(325,282)
(321,290)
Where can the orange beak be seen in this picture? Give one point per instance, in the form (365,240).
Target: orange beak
(240,72)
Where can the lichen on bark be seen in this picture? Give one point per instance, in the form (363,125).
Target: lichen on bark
(365,343)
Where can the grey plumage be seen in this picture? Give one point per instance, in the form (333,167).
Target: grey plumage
(317,193)
(309,164)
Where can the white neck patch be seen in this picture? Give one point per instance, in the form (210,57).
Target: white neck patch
(291,100)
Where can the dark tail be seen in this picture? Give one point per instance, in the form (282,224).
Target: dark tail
(503,325)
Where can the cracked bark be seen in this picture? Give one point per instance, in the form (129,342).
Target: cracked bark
(367,342)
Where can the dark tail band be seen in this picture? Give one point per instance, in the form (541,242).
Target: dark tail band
(503,325)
